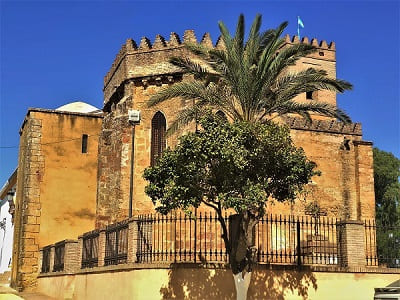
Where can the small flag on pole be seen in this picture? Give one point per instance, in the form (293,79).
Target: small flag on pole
(299,24)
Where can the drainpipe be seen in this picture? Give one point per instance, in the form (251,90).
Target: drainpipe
(132,172)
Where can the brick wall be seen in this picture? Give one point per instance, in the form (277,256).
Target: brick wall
(352,244)
(142,69)
(72,259)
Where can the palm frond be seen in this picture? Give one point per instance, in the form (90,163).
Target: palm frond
(189,66)
(239,34)
(184,90)
(288,57)
(312,83)
(198,49)
(226,36)
(321,108)
(185,117)
(248,80)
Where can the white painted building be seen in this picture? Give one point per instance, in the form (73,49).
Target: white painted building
(7,197)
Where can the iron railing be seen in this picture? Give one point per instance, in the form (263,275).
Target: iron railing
(179,238)
(90,249)
(278,239)
(382,244)
(46,259)
(116,243)
(59,251)
(297,240)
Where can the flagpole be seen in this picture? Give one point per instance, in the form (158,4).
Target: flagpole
(298,27)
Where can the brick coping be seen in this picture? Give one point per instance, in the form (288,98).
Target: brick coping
(272,267)
(54,111)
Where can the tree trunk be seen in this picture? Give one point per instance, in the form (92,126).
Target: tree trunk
(243,251)
(242,285)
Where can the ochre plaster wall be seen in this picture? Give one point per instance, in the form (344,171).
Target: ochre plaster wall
(68,187)
(195,283)
(56,186)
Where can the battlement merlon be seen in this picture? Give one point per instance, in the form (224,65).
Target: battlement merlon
(324,51)
(326,126)
(152,59)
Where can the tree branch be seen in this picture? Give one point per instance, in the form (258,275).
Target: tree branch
(225,236)
(210,205)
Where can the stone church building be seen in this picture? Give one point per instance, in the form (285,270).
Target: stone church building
(345,188)
(122,151)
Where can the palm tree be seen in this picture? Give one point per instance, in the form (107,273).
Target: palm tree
(249,81)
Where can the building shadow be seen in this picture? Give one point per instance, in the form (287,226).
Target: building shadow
(199,281)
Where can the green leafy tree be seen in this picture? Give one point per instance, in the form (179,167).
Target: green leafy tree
(387,187)
(230,166)
(248,80)
(387,199)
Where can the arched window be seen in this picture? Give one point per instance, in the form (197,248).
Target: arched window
(220,114)
(158,142)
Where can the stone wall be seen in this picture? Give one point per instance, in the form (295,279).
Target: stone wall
(345,189)
(115,152)
(323,59)
(28,207)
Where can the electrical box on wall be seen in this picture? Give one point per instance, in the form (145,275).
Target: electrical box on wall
(134,116)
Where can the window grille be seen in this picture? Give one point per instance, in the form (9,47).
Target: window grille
(90,253)
(158,141)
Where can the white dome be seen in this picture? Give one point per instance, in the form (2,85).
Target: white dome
(80,107)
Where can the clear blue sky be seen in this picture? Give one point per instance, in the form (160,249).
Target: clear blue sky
(57,52)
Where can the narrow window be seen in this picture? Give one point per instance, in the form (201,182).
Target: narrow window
(346,144)
(158,141)
(84,143)
(309,95)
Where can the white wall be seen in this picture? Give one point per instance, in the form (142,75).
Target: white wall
(6,236)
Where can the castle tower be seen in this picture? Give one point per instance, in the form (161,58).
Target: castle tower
(140,70)
(323,59)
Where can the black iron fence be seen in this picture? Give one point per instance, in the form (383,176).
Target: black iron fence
(279,239)
(382,245)
(177,237)
(46,259)
(59,251)
(116,243)
(297,240)
(90,249)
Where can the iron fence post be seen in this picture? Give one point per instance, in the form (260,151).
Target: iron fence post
(298,243)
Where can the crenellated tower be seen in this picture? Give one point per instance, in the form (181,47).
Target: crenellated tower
(323,59)
(142,69)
